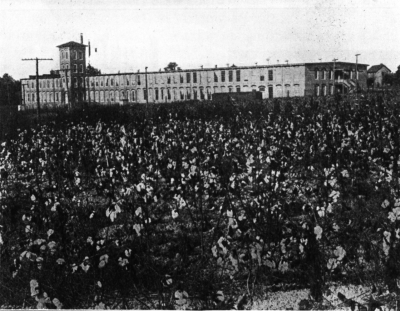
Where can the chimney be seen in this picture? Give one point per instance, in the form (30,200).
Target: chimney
(216,66)
(81,38)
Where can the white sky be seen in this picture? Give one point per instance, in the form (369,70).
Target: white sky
(130,35)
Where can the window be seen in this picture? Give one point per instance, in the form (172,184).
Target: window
(75,68)
(75,82)
(81,68)
(48,83)
(270,76)
(116,81)
(230,74)
(33,97)
(57,98)
(215,77)
(262,78)
(162,94)
(169,94)
(145,94)
(168,80)
(80,55)
(127,80)
(181,79)
(237,75)
(194,77)
(316,74)
(222,76)
(188,77)
(156,91)
(66,54)
(112,82)
(138,80)
(323,74)
(287,89)
(194,93)
(316,91)
(238,88)
(29,97)
(188,93)
(201,93)
(182,94)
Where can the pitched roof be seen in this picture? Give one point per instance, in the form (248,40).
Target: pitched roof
(375,68)
(71,43)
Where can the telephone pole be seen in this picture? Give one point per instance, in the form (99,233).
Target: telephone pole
(334,86)
(147,90)
(37,82)
(357,75)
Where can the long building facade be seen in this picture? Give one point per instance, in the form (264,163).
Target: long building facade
(71,84)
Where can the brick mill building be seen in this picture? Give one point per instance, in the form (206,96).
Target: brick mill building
(70,84)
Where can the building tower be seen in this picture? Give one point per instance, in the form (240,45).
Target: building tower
(73,70)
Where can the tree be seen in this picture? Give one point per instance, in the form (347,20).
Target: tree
(10,91)
(92,71)
(171,66)
(370,82)
(388,79)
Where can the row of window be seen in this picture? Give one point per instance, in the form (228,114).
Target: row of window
(165,94)
(44,97)
(340,74)
(121,80)
(323,90)
(74,54)
(76,68)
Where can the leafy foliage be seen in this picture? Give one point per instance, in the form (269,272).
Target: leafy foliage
(194,203)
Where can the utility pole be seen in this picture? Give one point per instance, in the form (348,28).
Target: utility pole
(357,75)
(147,90)
(37,82)
(23,95)
(68,91)
(334,86)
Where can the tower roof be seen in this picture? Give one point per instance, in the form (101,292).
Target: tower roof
(71,44)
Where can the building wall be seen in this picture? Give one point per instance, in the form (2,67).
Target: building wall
(286,80)
(378,76)
(197,84)
(319,77)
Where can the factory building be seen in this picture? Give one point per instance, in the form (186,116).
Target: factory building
(70,84)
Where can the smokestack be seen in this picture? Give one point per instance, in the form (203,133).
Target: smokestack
(81,38)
